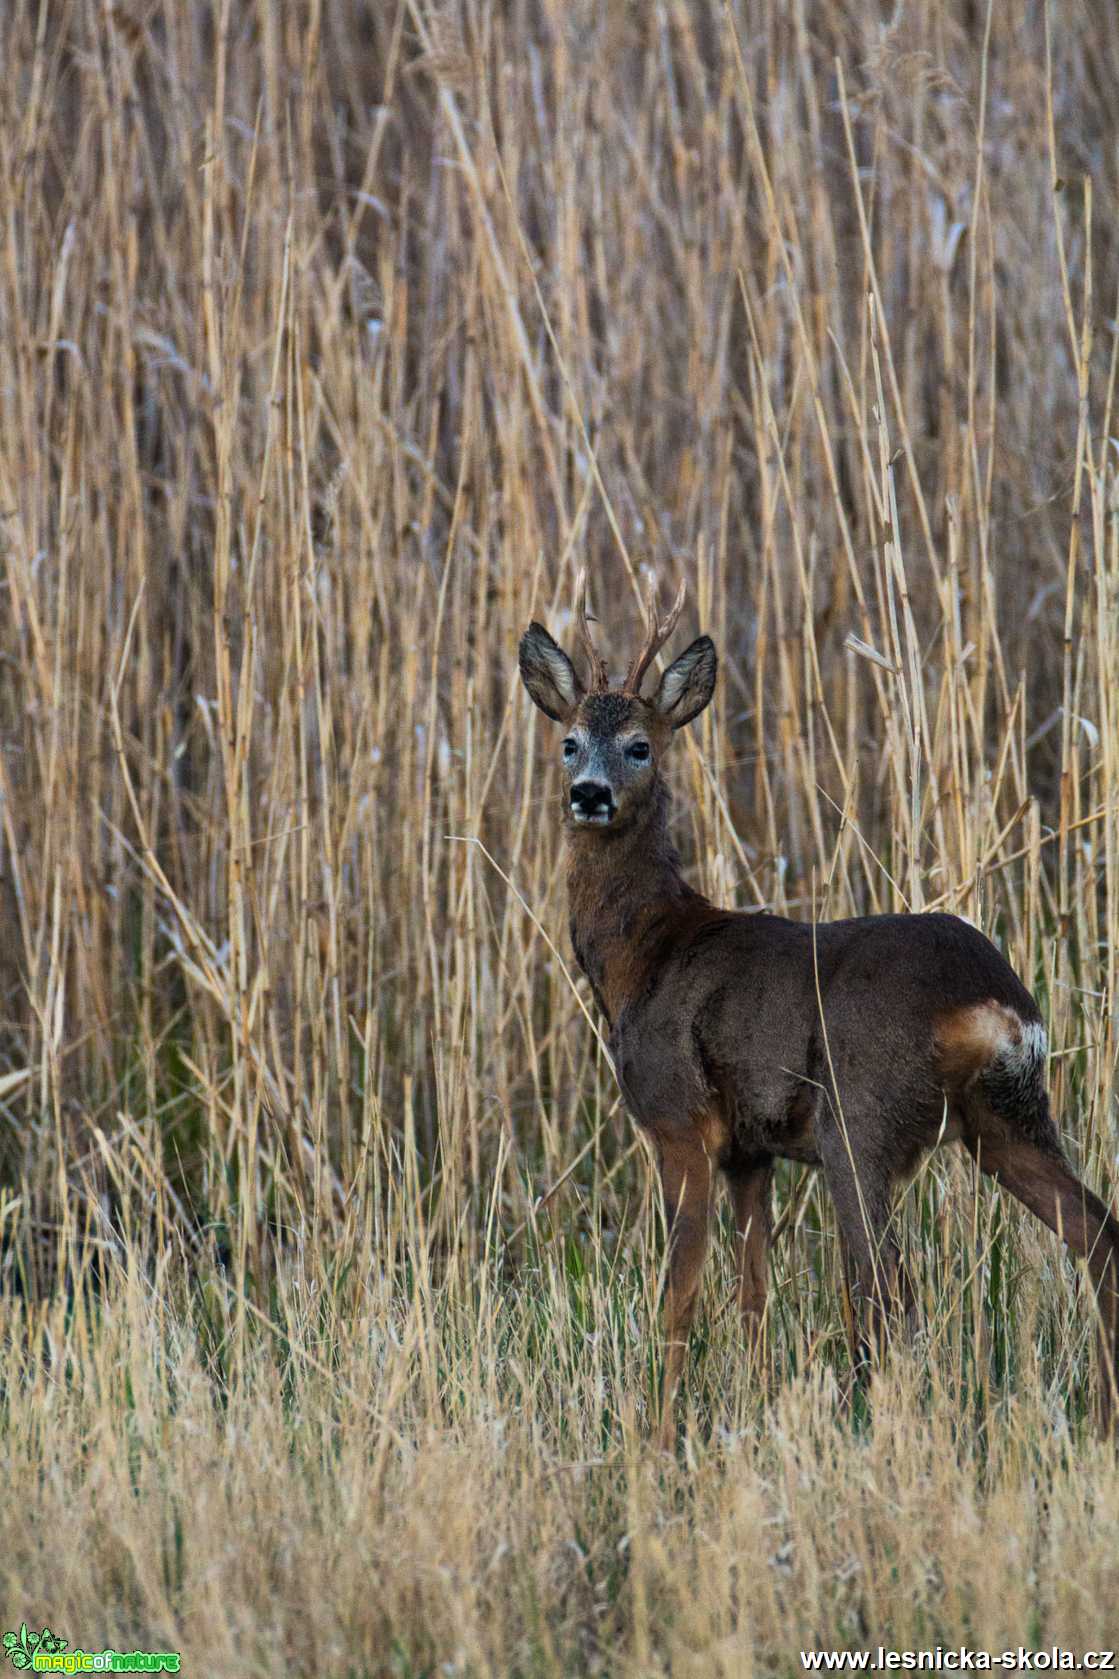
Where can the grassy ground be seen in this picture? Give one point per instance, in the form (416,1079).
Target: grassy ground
(332,339)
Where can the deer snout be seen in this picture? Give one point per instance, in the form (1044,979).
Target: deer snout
(592,801)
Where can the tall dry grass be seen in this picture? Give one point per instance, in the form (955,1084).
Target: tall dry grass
(332,338)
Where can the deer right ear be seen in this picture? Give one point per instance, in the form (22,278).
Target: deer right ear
(548,674)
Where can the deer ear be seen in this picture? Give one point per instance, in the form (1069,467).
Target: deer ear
(688,683)
(548,674)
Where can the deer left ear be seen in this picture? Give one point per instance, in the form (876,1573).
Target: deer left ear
(688,683)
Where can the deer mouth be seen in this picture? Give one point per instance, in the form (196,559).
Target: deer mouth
(593,812)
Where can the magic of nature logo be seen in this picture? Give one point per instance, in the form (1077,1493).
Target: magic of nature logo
(45,1652)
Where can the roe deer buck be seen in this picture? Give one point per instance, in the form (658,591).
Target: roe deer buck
(742,1038)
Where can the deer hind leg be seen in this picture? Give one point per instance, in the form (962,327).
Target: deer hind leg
(878,1291)
(1036,1172)
(749,1188)
(687,1181)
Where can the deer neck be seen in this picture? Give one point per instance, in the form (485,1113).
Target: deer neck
(626,896)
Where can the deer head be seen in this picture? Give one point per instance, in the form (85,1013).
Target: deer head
(615,739)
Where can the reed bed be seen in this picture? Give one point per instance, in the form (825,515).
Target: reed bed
(333,338)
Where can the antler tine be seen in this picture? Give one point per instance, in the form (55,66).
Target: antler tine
(657,634)
(600,676)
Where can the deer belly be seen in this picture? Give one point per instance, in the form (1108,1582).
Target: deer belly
(778,1118)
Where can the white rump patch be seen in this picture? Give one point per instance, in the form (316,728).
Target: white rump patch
(989,1037)
(1030,1048)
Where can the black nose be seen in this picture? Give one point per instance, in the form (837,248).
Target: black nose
(588,797)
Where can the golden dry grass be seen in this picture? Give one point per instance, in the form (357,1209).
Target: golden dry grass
(332,338)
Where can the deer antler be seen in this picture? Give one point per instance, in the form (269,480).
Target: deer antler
(657,634)
(600,676)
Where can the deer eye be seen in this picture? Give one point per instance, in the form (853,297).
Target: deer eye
(638,750)
(569,749)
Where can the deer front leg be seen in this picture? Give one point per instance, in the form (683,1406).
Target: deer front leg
(686,1182)
(749,1189)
